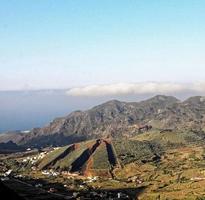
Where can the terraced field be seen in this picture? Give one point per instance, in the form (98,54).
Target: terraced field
(136,151)
(53,157)
(98,156)
(103,156)
(69,159)
(170,137)
(168,165)
(79,157)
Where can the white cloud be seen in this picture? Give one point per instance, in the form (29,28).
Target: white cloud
(137,88)
(199,87)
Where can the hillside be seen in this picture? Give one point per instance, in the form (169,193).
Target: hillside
(116,119)
(101,156)
(168,164)
(107,156)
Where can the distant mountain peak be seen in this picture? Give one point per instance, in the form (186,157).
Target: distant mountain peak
(164,98)
(195,99)
(116,118)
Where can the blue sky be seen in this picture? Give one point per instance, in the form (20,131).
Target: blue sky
(73,43)
(97,50)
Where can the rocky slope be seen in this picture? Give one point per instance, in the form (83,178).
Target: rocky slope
(116,119)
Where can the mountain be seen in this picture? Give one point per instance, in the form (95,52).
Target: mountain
(99,157)
(117,119)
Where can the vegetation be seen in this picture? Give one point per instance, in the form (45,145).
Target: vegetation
(52,156)
(65,164)
(170,138)
(136,151)
(100,158)
(168,165)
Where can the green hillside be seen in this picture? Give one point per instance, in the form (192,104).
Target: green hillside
(94,155)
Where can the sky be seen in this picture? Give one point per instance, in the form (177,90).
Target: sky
(69,44)
(66,55)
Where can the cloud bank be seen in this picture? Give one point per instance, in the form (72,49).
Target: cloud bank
(137,89)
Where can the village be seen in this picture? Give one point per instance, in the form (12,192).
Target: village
(69,185)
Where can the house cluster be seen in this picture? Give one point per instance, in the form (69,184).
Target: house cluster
(88,179)
(91,179)
(50,173)
(68,174)
(34,159)
(135,179)
(89,195)
(5,175)
(29,159)
(197,179)
(102,195)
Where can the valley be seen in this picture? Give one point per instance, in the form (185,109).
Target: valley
(151,150)
(102,100)
(138,168)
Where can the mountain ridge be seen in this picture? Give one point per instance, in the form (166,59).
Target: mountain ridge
(117,119)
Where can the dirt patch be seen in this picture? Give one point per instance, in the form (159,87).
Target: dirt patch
(87,171)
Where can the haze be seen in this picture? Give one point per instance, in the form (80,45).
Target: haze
(77,54)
